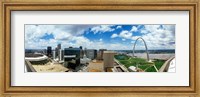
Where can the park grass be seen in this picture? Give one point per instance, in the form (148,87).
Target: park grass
(151,69)
(142,63)
(159,63)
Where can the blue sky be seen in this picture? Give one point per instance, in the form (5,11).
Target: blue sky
(111,37)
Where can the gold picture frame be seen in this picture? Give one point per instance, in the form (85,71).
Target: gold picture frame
(120,5)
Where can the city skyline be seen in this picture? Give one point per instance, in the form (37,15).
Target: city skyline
(111,37)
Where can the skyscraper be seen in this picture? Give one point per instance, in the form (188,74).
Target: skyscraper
(61,55)
(81,52)
(72,57)
(54,54)
(58,51)
(49,51)
(59,46)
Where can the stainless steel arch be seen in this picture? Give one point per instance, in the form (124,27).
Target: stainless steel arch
(145,47)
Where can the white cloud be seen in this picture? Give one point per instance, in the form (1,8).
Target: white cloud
(63,36)
(102,29)
(159,38)
(151,28)
(118,27)
(66,35)
(34,33)
(114,35)
(118,46)
(143,31)
(81,41)
(101,39)
(132,41)
(126,34)
(135,37)
(134,29)
(123,39)
(156,37)
(73,29)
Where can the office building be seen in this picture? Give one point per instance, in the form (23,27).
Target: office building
(72,57)
(54,54)
(49,51)
(58,51)
(61,55)
(91,53)
(59,46)
(108,59)
(81,52)
(100,54)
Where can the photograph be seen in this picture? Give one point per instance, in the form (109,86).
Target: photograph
(99,47)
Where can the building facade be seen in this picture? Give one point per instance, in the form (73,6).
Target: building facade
(49,51)
(54,54)
(72,57)
(61,55)
(91,53)
(108,59)
(58,51)
(100,54)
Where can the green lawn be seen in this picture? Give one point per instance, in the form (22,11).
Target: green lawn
(142,63)
(143,67)
(159,63)
(151,69)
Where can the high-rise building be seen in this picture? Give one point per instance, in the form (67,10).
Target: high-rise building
(100,54)
(72,57)
(58,51)
(108,59)
(59,46)
(91,53)
(54,54)
(49,51)
(61,55)
(81,52)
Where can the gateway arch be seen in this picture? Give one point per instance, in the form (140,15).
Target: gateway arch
(144,45)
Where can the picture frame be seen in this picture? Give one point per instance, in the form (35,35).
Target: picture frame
(100,5)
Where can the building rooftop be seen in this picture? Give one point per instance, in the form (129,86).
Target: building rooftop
(33,55)
(72,49)
(69,56)
(109,52)
(109,69)
(95,70)
(50,68)
(98,66)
